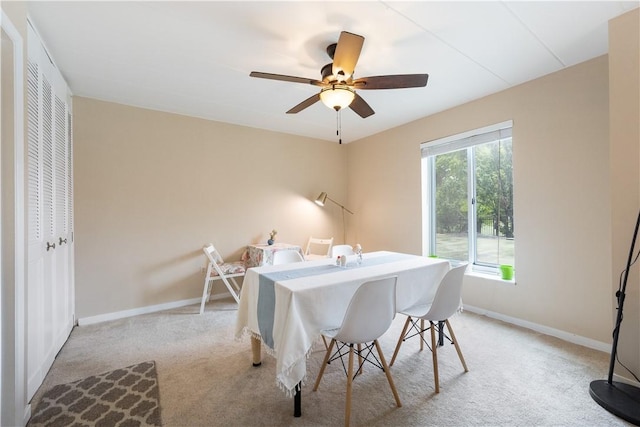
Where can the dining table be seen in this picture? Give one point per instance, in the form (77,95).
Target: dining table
(284,307)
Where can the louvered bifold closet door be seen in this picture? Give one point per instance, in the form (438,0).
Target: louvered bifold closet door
(63,314)
(49,296)
(34,296)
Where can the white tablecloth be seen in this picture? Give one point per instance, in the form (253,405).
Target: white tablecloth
(306,303)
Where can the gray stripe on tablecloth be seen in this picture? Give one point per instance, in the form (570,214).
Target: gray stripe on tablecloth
(267,293)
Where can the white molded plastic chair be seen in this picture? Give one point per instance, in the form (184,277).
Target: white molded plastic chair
(318,248)
(368,316)
(341,250)
(286,257)
(446,303)
(220,270)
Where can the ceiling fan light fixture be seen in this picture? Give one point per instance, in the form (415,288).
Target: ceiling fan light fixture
(337,97)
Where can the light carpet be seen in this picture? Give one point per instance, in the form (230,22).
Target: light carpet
(516,377)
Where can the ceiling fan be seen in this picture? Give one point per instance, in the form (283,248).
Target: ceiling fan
(338,86)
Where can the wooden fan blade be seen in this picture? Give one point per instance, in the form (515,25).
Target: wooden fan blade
(304,104)
(361,107)
(397,81)
(284,78)
(347,54)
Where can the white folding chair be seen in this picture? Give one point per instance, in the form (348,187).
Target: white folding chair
(318,248)
(368,316)
(341,250)
(445,303)
(220,270)
(286,257)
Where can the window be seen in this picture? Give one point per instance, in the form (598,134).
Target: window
(467,182)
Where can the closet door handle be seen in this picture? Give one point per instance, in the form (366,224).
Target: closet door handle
(51,246)
(62,241)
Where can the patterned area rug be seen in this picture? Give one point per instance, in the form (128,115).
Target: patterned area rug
(125,397)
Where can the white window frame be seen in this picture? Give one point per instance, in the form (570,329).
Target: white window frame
(449,144)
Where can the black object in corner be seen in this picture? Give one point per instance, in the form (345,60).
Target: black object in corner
(621,399)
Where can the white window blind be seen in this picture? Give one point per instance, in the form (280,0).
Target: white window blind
(467,139)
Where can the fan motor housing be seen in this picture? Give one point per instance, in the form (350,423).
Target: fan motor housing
(331,49)
(327,72)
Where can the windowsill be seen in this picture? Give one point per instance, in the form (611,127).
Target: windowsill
(488,276)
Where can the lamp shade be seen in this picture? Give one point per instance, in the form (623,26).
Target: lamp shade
(321,199)
(337,97)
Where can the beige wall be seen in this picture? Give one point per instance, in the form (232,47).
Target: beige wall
(562,195)
(151,188)
(624,97)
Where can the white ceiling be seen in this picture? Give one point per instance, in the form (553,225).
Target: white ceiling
(194,58)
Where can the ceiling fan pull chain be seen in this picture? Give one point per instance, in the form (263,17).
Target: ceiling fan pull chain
(339,126)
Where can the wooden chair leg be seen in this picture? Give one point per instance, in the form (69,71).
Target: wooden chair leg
(434,355)
(360,364)
(388,374)
(455,343)
(324,364)
(324,340)
(347,410)
(256,351)
(421,334)
(404,331)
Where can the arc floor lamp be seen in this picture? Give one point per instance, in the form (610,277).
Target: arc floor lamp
(322,199)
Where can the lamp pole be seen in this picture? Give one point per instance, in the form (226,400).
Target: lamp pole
(344,233)
(340,205)
(320,201)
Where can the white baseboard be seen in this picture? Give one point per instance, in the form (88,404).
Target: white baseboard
(566,336)
(83,321)
(625,380)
